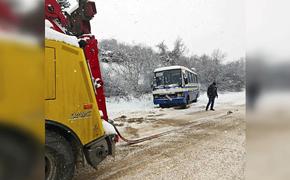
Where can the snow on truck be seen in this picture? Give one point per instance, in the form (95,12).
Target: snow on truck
(175,86)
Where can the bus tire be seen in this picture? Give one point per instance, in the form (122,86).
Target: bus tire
(163,106)
(59,157)
(187,100)
(195,100)
(184,106)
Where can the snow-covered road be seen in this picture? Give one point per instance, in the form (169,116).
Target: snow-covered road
(204,145)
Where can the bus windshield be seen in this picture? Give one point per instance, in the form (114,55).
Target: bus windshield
(169,77)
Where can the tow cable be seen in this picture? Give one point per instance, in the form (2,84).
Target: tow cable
(136,141)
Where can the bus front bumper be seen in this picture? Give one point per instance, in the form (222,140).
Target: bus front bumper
(170,102)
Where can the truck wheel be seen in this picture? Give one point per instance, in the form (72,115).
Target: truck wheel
(59,157)
(19,157)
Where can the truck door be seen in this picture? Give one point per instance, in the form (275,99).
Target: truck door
(50,73)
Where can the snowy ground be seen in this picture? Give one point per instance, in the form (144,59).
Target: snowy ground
(268,134)
(118,107)
(202,144)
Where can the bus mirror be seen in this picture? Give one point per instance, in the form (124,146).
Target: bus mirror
(153,84)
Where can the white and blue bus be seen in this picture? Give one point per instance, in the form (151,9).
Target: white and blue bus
(175,86)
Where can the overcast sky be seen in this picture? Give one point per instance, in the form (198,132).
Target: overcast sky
(204,25)
(230,25)
(268,28)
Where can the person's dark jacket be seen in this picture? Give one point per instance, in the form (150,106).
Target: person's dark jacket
(212,91)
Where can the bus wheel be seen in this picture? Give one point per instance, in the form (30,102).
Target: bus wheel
(184,106)
(187,101)
(163,106)
(195,100)
(59,158)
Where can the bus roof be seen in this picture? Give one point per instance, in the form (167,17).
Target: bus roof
(173,67)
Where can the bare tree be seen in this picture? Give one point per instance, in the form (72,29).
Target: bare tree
(163,53)
(128,70)
(171,57)
(178,51)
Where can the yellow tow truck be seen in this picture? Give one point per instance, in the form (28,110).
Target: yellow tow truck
(73,125)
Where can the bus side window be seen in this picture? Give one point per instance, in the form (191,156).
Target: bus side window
(185,77)
(191,78)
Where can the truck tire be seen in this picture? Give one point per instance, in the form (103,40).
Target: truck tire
(59,157)
(18,156)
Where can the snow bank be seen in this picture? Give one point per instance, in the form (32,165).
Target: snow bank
(234,98)
(57,36)
(109,128)
(119,106)
(138,106)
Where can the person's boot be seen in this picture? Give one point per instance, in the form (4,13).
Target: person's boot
(212,109)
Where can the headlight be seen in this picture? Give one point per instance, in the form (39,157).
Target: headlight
(156,96)
(179,94)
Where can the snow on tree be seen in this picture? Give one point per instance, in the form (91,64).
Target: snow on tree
(64,3)
(128,69)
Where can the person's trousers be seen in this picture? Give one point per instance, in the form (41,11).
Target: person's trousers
(210,103)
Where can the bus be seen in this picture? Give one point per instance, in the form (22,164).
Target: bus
(175,86)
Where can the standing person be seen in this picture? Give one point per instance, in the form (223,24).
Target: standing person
(211,94)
